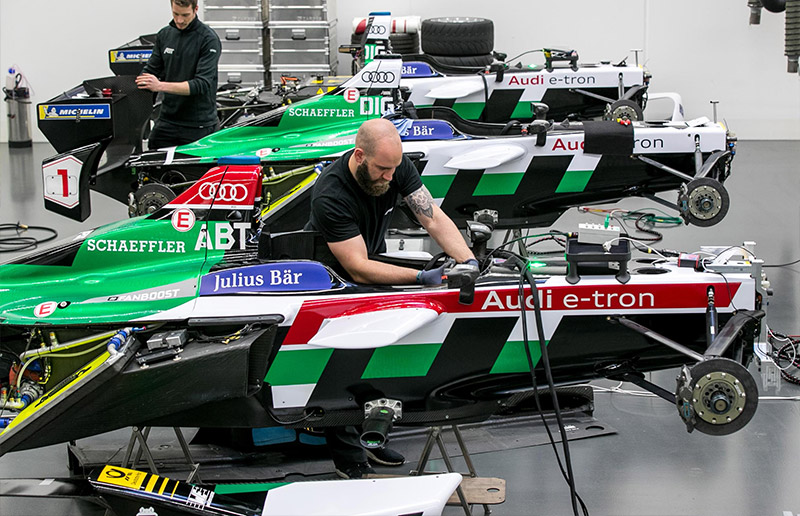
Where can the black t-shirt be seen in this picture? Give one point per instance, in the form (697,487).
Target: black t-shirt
(340,209)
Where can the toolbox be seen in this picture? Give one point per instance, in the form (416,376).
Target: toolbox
(223,11)
(307,44)
(302,11)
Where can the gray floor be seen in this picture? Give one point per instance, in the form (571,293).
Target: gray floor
(651,466)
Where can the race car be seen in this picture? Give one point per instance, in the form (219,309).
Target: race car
(197,316)
(531,172)
(128,492)
(503,91)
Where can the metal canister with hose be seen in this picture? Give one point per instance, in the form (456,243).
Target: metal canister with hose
(18,101)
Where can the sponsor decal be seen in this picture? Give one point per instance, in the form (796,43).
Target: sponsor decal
(351,95)
(378,77)
(45,309)
(417,69)
(122,477)
(571,80)
(239,189)
(628,297)
(183,220)
(329,143)
(272,277)
(322,112)
(135,246)
(154,295)
(374,105)
(73,111)
(638,144)
(428,130)
(263,152)
(224,237)
(225,192)
(522,80)
(571,145)
(648,143)
(199,498)
(130,55)
(378,29)
(146,511)
(169,50)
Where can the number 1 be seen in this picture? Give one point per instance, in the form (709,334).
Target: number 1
(64,180)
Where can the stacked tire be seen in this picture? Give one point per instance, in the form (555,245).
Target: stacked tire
(459,41)
(402,42)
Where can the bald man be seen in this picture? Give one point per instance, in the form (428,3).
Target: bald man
(351,206)
(354,197)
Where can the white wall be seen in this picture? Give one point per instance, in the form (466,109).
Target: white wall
(703,50)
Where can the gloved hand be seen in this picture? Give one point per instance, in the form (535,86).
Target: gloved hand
(431,277)
(473,262)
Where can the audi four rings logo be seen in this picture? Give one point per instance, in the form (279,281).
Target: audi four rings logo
(384,77)
(227,192)
(377,29)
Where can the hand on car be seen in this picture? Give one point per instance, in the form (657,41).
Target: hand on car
(431,277)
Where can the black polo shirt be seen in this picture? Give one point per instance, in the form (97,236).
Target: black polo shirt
(340,209)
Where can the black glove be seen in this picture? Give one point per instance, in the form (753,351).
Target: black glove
(431,277)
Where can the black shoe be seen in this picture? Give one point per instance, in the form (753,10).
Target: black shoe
(354,470)
(385,456)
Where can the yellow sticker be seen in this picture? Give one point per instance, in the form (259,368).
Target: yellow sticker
(122,477)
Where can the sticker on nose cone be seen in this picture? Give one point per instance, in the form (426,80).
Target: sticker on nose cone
(45,309)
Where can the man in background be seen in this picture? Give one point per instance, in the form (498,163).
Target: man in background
(183,67)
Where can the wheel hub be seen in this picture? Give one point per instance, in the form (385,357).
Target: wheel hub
(705,202)
(717,396)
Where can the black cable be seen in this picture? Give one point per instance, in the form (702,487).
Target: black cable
(10,244)
(783,264)
(567,474)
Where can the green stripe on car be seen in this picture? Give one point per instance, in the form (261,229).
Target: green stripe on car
(574,181)
(513,359)
(401,361)
(292,367)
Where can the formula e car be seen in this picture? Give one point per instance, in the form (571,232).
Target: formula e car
(128,492)
(197,316)
(503,91)
(530,172)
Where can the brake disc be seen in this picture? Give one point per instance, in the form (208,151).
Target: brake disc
(717,396)
(704,202)
(624,109)
(149,198)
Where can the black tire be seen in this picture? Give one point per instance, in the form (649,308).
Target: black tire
(404,43)
(774,6)
(457,36)
(465,61)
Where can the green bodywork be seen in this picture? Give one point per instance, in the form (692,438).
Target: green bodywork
(119,272)
(314,128)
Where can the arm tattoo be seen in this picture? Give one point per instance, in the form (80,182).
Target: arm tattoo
(421,203)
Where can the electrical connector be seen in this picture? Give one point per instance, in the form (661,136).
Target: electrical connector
(589,233)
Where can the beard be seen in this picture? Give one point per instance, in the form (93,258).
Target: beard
(372,187)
